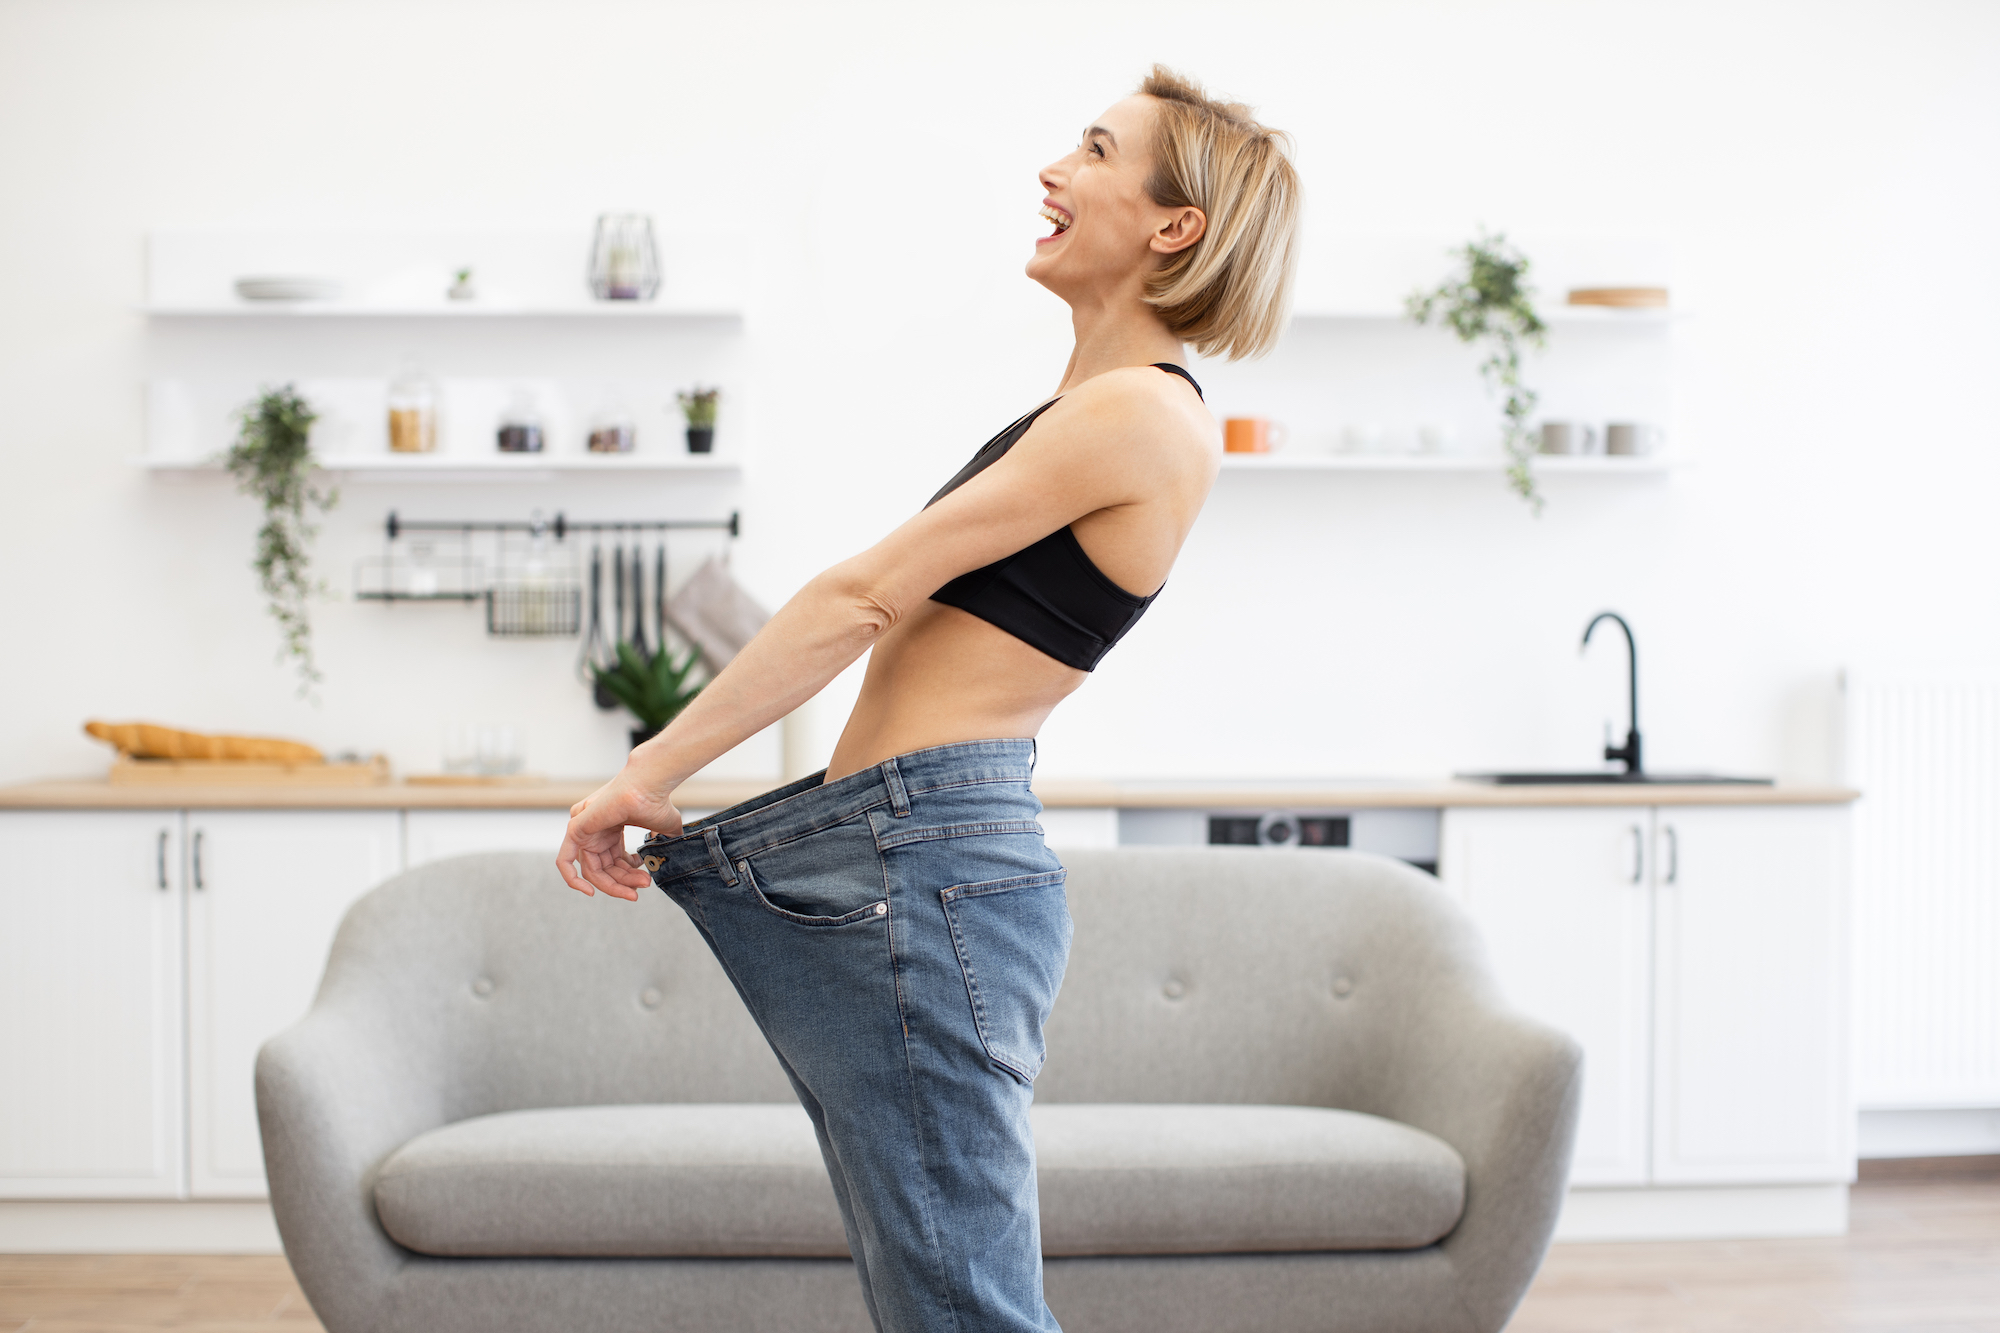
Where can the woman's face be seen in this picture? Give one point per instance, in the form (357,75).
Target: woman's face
(1105,229)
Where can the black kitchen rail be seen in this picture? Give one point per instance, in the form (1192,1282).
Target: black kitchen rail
(560,526)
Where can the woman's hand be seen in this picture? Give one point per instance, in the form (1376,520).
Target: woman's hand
(593,852)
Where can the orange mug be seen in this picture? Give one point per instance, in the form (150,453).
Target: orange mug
(1252,435)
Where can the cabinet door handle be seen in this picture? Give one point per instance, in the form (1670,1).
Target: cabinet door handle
(163,859)
(1673,855)
(1638,854)
(197,860)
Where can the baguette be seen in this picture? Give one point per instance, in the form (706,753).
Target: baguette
(143,740)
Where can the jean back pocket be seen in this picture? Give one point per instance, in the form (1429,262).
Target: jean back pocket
(1012,938)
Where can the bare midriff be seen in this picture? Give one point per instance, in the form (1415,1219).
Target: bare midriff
(942,676)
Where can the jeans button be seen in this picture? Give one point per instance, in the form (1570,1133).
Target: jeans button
(881,909)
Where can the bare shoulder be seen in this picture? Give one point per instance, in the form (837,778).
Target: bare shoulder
(1146,411)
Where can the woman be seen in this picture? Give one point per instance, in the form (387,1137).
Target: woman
(895,924)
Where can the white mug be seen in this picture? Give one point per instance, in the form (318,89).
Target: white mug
(1568,437)
(1631,438)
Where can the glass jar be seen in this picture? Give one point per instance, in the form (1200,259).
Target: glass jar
(521,425)
(624,263)
(413,398)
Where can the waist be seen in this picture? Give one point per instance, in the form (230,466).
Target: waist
(811,804)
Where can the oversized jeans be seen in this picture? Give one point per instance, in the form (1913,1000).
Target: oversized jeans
(899,936)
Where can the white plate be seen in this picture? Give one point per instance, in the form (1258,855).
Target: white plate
(288,289)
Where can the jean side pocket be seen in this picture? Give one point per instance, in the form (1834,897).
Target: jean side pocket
(781,906)
(1012,938)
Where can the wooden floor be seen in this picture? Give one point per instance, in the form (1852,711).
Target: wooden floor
(1921,1258)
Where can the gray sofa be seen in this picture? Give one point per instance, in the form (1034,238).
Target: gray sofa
(1281,1094)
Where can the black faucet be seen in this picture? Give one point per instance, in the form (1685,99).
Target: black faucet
(1629,751)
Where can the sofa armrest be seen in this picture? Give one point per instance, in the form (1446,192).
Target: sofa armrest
(1503,1089)
(337,1093)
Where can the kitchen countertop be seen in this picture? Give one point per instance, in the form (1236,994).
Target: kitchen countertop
(1331,794)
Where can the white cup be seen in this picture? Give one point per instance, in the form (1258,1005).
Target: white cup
(1568,437)
(1631,438)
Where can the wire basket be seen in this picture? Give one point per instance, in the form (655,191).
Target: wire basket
(534,610)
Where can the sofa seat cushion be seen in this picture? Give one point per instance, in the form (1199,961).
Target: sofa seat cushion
(747,1180)
(1126,1179)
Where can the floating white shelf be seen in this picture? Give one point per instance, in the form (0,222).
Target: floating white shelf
(497,467)
(1551,464)
(1563,314)
(310,310)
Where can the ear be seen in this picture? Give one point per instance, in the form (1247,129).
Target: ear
(1183,229)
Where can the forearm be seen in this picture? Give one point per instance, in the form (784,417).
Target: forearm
(814,637)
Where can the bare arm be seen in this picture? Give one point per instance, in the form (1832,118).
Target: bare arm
(1094,450)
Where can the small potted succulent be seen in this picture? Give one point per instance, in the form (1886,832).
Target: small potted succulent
(651,685)
(699,406)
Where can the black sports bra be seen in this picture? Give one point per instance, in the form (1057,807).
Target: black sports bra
(1049,595)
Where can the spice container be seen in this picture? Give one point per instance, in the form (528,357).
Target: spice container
(413,400)
(612,430)
(521,425)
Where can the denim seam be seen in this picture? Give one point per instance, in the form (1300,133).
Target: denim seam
(931,1203)
(967,782)
(985,886)
(858,914)
(760,848)
(935,832)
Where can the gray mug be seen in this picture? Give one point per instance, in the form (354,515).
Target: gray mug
(1568,437)
(1630,438)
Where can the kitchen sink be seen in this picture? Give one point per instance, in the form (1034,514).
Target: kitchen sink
(1600,778)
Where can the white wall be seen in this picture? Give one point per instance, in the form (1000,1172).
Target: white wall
(1823,174)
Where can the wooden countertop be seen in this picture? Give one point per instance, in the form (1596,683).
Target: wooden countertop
(1331,794)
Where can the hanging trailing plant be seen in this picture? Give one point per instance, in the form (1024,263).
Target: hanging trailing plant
(1489,302)
(272,463)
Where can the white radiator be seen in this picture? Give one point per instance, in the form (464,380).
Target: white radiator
(1926,758)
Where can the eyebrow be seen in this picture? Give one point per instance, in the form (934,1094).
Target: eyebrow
(1099,129)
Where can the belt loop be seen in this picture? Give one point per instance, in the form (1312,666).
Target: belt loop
(899,796)
(1034,753)
(716,854)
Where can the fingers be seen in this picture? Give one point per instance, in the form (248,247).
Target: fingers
(566,857)
(597,868)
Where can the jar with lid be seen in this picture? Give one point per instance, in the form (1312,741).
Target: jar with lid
(413,399)
(521,425)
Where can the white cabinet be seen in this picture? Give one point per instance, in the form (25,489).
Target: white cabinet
(1696,953)
(433,835)
(1562,902)
(1749,1034)
(90,1004)
(266,890)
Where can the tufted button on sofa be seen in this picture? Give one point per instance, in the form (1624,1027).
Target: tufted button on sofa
(1281,1094)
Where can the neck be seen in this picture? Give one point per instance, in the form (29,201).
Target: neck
(1114,332)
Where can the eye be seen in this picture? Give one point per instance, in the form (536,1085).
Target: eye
(1097,147)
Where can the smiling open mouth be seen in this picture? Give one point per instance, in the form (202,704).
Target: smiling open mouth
(1057,216)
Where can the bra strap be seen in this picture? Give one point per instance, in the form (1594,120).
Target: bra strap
(1173,369)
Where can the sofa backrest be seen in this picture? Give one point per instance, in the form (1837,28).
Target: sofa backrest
(1196,974)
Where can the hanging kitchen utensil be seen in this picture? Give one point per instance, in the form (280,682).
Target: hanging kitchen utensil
(639,601)
(714,613)
(660,594)
(594,645)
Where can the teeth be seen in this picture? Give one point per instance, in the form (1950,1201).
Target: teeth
(1062,222)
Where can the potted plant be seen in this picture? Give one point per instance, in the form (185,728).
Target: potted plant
(651,685)
(699,405)
(1489,301)
(271,461)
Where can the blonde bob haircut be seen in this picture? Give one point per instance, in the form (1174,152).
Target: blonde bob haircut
(1228,294)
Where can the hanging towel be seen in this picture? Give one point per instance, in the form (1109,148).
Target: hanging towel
(713,613)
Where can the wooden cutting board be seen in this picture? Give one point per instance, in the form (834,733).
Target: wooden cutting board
(1628,298)
(127,771)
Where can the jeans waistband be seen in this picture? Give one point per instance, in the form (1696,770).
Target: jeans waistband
(812,803)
